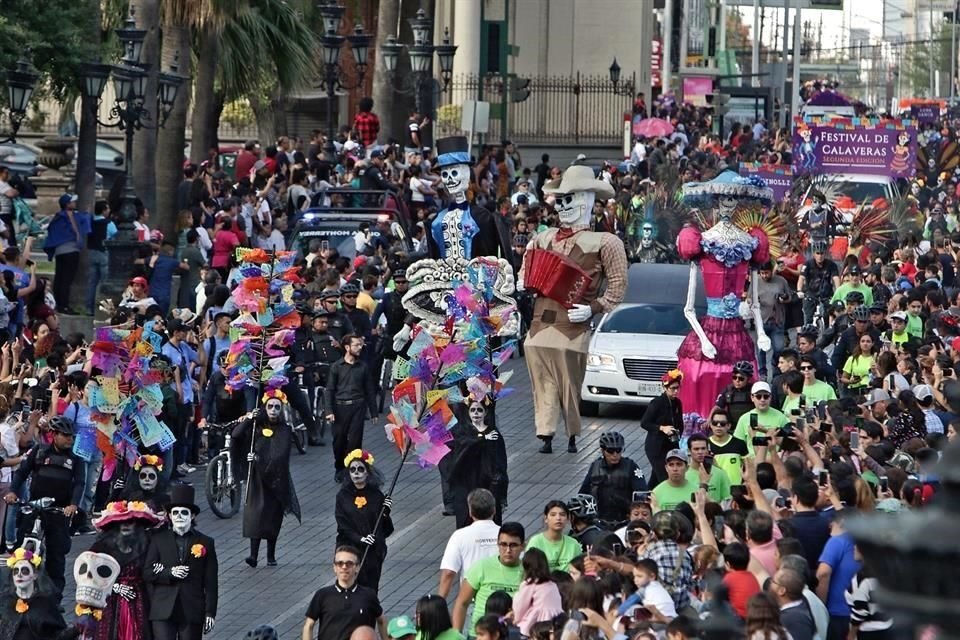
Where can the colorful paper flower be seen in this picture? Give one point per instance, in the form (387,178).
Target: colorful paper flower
(360,502)
(81,611)
(358,454)
(22,606)
(149,461)
(266,432)
(24,554)
(198,551)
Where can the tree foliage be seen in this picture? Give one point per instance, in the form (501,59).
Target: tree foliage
(918,57)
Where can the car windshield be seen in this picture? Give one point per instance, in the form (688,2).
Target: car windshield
(661,319)
(864,191)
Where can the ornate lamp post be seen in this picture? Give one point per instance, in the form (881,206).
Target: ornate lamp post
(421,58)
(20,85)
(334,78)
(627,89)
(914,555)
(129,114)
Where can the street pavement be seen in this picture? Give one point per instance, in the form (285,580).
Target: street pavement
(280,595)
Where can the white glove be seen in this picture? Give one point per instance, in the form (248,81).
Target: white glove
(180,571)
(579,313)
(493,435)
(125,591)
(800,295)
(401,338)
(120,483)
(746,311)
(388,502)
(368,540)
(764,343)
(251,456)
(519,286)
(157,568)
(208,624)
(511,327)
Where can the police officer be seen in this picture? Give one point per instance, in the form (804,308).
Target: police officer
(818,279)
(339,323)
(612,479)
(807,346)
(391,308)
(362,326)
(843,321)
(305,364)
(583,511)
(851,337)
(735,398)
(54,472)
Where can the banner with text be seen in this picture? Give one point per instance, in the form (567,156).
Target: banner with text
(926,112)
(825,145)
(778,177)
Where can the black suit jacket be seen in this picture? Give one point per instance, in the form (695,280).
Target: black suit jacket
(198,591)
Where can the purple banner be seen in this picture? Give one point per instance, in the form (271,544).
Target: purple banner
(778,177)
(854,145)
(925,113)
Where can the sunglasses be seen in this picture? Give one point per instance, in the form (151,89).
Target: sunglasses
(399,282)
(739,377)
(807,368)
(614,450)
(344,564)
(721,423)
(762,396)
(673,386)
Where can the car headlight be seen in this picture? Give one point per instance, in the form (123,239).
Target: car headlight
(601,360)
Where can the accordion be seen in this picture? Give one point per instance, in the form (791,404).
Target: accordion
(555,276)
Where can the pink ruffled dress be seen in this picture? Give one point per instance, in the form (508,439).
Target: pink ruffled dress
(725,265)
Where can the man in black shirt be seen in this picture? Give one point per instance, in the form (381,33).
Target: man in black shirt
(336,611)
(348,395)
(338,323)
(819,278)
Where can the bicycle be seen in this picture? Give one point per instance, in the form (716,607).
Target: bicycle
(223,488)
(33,541)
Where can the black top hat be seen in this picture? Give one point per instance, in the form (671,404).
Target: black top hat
(182,495)
(453,150)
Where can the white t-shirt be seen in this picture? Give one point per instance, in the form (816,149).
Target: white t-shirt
(474,542)
(9,449)
(273,242)
(655,594)
(415,185)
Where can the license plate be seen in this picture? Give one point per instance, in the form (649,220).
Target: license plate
(649,389)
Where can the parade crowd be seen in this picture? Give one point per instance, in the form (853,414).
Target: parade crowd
(740,515)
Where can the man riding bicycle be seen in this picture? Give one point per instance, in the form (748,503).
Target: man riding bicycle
(819,278)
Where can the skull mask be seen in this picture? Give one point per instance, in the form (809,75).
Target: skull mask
(358,474)
(181,519)
(456,179)
(94,574)
(273,409)
(646,235)
(574,208)
(148,477)
(477,415)
(727,205)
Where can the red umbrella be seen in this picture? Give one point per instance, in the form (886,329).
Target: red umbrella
(653,128)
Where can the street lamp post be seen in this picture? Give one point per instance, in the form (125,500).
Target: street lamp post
(20,85)
(334,77)
(128,114)
(421,58)
(628,87)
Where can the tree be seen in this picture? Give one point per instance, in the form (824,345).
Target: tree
(920,56)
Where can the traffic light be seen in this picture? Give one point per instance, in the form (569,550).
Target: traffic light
(719,103)
(519,89)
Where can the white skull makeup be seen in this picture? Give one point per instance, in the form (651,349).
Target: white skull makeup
(456,180)
(358,474)
(574,208)
(727,205)
(273,409)
(646,235)
(181,519)
(148,478)
(477,414)
(94,574)
(24,578)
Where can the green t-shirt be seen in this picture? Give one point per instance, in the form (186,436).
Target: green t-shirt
(859,366)
(846,287)
(559,554)
(489,575)
(815,393)
(669,496)
(770,420)
(449,634)
(729,457)
(915,326)
(718,487)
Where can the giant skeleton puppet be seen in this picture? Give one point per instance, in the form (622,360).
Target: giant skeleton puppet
(568,267)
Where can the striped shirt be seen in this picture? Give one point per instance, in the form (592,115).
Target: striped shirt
(864,613)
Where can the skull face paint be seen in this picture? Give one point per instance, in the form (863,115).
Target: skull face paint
(727,205)
(181,519)
(456,180)
(358,474)
(646,235)
(273,409)
(148,478)
(477,415)
(24,578)
(574,208)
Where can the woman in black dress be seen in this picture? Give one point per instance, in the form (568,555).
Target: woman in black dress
(357,507)
(663,421)
(479,460)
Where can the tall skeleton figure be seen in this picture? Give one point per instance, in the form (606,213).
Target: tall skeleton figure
(582,262)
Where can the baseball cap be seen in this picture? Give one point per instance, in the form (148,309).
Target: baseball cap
(376,153)
(400,627)
(898,315)
(67,198)
(923,391)
(875,396)
(877,307)
(140,280)
(759,386)
(854,270)
(680,454)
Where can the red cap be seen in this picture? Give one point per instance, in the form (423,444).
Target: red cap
(140,280)
(358,262)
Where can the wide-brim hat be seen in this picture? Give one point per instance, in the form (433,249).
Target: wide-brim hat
(453,150)
(579,177)
(728,183)
(123,511)
(182,495)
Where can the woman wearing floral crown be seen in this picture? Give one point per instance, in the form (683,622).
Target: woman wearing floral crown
(28,602)
(724,252)
(123,535)
(358,505)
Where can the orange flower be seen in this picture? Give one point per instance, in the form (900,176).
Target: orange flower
(198,551)
(360,501)
(22,606)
